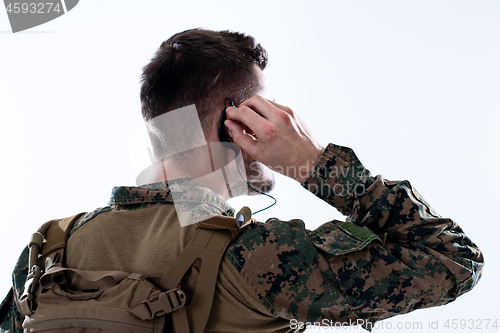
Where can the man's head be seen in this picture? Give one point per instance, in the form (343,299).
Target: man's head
(201,67)
(204,68)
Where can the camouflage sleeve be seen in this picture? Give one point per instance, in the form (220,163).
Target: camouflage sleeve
(393,255)
(11,318)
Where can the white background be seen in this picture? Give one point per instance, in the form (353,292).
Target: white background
(412,87)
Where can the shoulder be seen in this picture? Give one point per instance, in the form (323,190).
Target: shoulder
(267,242)
(87,217)
(279,263)
(274,240)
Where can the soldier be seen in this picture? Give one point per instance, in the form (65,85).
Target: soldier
(393,254)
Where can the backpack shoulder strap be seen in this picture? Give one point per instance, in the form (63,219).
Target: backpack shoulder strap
(53,245)
(208,244)
(57,234)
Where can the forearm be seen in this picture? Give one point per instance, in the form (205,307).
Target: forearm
(424,257)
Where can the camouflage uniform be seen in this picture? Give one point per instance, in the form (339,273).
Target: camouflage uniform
(392,255)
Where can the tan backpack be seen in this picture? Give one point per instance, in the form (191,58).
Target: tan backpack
(116,301)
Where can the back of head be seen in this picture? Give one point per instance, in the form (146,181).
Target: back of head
(201,67)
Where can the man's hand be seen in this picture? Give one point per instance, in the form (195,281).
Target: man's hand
(274,135)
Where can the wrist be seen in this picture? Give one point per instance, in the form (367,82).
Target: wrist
(337,173)
(305,168)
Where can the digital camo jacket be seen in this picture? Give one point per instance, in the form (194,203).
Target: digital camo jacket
(392,255)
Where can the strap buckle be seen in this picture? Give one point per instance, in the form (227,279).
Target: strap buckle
(166,302)
(32,282)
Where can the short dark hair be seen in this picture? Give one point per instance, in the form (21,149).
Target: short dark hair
(201,67)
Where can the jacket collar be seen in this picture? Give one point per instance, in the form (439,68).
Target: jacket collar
(185,191)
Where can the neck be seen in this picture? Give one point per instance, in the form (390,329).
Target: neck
(215,181)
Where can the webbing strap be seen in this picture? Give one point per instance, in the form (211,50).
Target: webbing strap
(111,326)
(209,246)
(101,280)
(56,235)
(223,223)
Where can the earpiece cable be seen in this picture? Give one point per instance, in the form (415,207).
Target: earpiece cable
(267,195)
(237,167)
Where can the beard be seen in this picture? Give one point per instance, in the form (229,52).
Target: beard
(259,177)
(246,176)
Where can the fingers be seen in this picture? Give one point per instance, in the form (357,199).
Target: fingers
(277,114)
(262,117)
(261,105)
(249,119)
(266,108)
(245,141)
